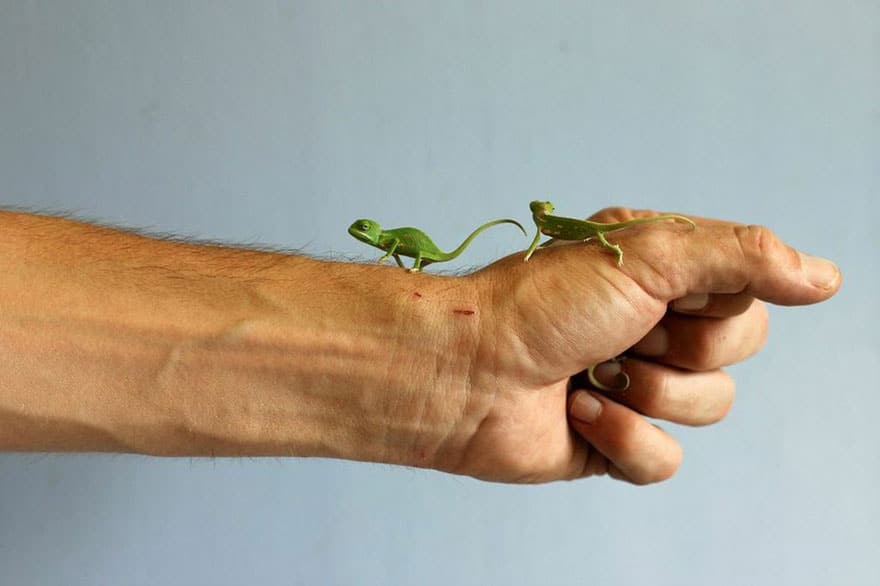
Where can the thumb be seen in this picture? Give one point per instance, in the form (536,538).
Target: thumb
(671,261)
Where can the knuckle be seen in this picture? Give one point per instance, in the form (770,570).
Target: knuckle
(759,244)
(754,239)
(623,213)
(613,214)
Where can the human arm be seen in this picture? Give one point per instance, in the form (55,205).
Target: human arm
(116,342)
(112,341)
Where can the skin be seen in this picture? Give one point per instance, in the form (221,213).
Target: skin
(562,228)
(116,342)
(412,242)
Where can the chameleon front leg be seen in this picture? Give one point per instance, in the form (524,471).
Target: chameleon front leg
(417,265)
(617,250)
(399,262)
(533,245)
(600,235)
(390,252)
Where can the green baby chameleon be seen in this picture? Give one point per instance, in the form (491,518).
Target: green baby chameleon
(561,228)
(412,242)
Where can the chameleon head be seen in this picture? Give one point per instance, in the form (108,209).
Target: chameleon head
(541,207)
(365,230)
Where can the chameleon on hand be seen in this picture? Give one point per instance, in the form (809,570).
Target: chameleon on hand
(412,242)
(561,228)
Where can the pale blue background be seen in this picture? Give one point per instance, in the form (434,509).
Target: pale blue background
(280,122)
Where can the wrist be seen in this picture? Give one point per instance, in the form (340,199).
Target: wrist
(407,391)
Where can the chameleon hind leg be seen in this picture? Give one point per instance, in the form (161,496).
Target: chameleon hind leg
(399,262)
(417,265)
(617,250)
(390,253)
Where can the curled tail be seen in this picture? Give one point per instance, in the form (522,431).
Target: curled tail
(467,241)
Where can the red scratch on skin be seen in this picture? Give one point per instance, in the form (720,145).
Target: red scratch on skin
(463,311)
(417,295)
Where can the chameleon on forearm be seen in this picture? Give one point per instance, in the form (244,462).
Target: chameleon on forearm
(562,228)
(412,242)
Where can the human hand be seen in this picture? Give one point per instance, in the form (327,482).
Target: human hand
(685,304)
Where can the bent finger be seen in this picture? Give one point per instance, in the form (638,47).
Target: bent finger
(641,452)
(679,396)
(701,344)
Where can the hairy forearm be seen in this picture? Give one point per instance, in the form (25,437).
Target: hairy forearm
(112,341)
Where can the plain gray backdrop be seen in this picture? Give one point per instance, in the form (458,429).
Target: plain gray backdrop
(280,122)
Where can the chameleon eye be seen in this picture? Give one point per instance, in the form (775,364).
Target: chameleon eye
(365,227)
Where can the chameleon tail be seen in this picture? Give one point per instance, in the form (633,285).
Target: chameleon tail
(646,220)
(467,241)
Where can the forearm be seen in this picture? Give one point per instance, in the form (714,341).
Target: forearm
(111,341)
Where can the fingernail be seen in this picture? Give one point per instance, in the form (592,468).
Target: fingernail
(585,407)
(655,343)
(821,272)
(691,302)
